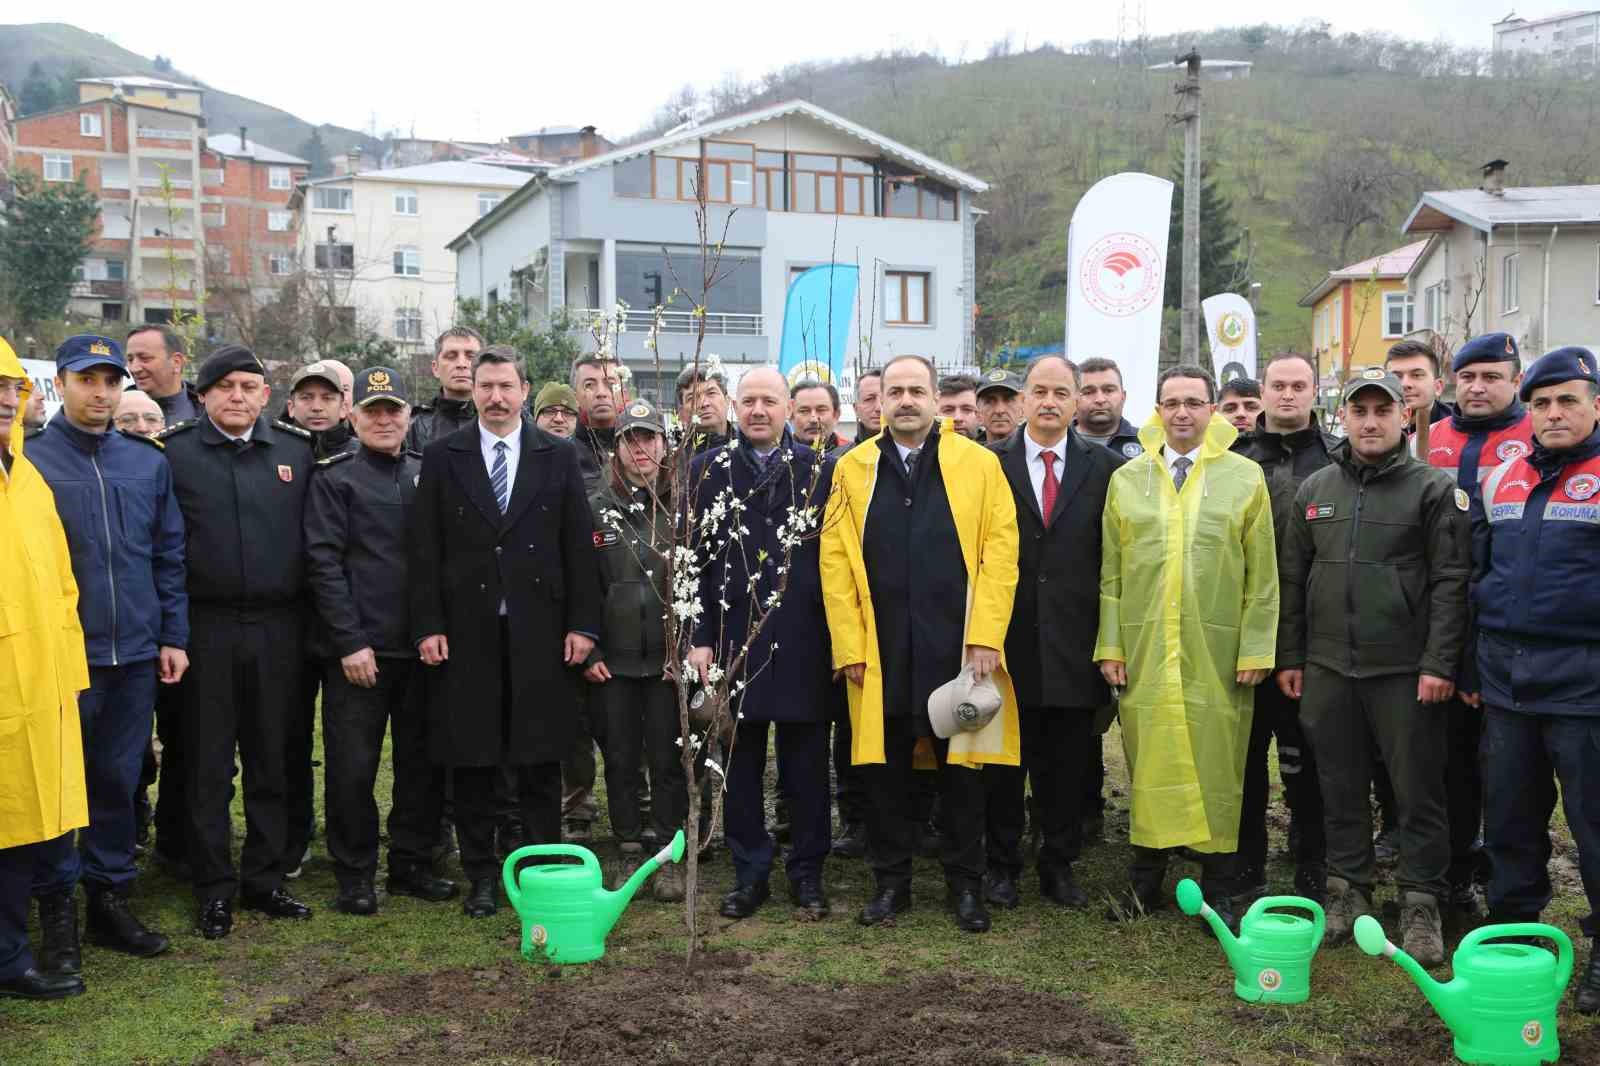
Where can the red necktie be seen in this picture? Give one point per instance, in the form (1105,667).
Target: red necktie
(1050,485)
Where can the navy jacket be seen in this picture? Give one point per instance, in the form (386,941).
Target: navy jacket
(789,668)
(114,494)
(1536,534)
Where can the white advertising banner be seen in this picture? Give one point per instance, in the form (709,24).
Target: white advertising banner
(1116,271)
(43,373)
(1231,327)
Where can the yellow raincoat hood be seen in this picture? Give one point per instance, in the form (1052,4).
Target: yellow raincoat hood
(42,664)
(1188,598)
(985,516)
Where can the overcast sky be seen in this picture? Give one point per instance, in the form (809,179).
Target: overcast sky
(488,71)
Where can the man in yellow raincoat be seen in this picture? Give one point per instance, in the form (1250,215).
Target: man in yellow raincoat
(919,568)
(42,670)
(1188,623)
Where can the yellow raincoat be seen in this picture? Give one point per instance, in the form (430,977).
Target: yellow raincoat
(42,664)
(1188,598)
(985,517)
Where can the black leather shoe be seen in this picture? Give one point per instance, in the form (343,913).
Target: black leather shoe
(112,924)
(59,950)
(420,883)
(481,901)
(360,899)
(885,905)
(1468,902)
(969,912)
(1588,998)
(276,904)
(32,984)
(1062,889)
(852,842)
(1001,890)
(745,900)
(216,918)
(1135,901)
(808,897)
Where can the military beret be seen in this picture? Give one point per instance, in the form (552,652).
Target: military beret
(224,361)
(555,394)
(1487,348)
(87,350)
(1563,364)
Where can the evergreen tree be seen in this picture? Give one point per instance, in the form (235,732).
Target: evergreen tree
(1220,268)
(47,229)
(315,152)
(38,92)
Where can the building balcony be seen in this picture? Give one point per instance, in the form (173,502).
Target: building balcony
(717,323)
(182,247)
(166,134)
(110,290)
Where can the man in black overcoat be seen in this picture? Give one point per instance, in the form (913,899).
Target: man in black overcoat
(1050,645)
(505,605)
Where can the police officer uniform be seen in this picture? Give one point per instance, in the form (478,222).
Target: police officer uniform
(1536,534)
(243,501)
(357,516)
(114,494)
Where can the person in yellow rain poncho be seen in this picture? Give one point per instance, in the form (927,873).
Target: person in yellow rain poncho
(919,570)
(42,670)
(1188,623)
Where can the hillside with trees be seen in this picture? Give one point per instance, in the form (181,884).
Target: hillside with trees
(1315,158)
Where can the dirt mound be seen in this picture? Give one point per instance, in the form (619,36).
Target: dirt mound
(723,1013)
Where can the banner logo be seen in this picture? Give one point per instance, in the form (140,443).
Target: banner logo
(1121,274)
(1231,330)
(808,370)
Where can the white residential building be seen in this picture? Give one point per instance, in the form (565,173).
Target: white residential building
(1569,37)
(378,241)
(789,186)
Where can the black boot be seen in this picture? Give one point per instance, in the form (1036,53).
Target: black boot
(113,925)
(35,984)
(59,951)
(1588,999)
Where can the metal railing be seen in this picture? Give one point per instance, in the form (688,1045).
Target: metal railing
(153,181)
(163,133)
(719,323)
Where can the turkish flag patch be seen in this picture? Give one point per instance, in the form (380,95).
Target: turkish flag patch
(1319,510)
(286,473)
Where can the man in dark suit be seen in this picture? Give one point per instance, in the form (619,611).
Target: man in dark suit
(505,604)
(1059,481)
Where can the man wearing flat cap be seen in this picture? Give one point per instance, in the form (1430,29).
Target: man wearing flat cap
(1536,534)
(356,520)
(241,481)
(135,616)
(1372,626)
(1488,428)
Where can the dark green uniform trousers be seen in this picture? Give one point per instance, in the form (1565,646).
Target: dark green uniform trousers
(1346,721)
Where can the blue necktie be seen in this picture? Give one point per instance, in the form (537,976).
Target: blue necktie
(497,477)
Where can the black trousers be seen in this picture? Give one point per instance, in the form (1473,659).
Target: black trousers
(538,785)
(1463,786)
(641,728)
(172,806)
(19,872)
(1093,782)
(1053,741)
(299,774)
(240,691)
(1278,716)
(1218,871)
(1344,718)
(353,723)
(847,792)
(803,770)
(895,821)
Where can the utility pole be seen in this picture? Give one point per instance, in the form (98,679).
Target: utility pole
(1189,113)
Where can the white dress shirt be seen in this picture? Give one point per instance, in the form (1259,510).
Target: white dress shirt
(1036,465)
(245,436)
(487,441)
(905,450)
(1170,457)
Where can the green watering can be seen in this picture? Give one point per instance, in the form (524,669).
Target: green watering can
(565,909)
(1271,956)
(1501,1005)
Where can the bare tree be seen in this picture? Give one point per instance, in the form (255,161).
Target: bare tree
(1349,191)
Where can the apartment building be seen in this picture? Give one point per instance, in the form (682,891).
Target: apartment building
(1568,37)
(561,144)
(251,244)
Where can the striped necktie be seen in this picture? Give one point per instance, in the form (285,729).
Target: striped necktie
(497,477)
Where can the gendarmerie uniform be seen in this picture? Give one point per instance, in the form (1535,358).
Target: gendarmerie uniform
(243,503)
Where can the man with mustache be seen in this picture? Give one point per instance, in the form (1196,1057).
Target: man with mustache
(869,392)
(597,380)
(505,608)
(135,616)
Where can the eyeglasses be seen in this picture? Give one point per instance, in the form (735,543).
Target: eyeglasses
(1190,404)
(559,412)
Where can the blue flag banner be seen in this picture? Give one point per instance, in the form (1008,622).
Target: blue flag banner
(816,322)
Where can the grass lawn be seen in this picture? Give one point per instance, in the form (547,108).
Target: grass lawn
(422,984)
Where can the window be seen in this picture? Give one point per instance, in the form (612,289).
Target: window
(116,270)
(281,264)
(278,178)
(90,270)
(631,177)
(222,260)
(326,199)
(408,323)
(113,173)
(405,201)
(1335,322)
(89,123)
(278,221)
(58,168)
(1510,287)
(1398,312)
(644,280)
(407,262)
(488,201)
(335,257)
(905,298)
(1433,306)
